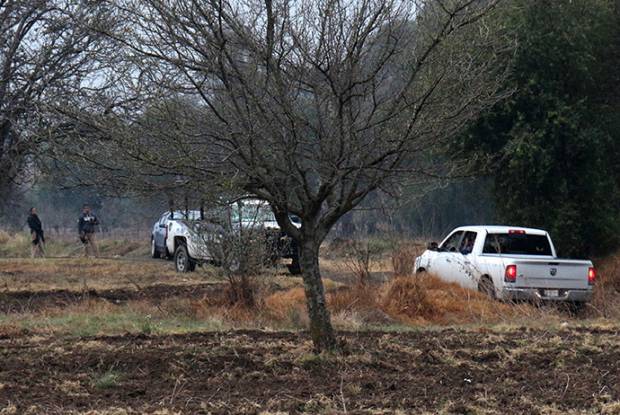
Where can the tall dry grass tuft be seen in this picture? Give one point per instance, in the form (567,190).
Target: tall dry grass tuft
(403,259)
(357,258)
(357,298)
(422,299)
(407,297)
(606,296)
(14,245)
(425,299)
(279,303)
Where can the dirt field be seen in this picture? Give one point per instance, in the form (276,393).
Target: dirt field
(116,336)
(574,370)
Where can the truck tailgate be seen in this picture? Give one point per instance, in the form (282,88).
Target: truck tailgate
(552,274)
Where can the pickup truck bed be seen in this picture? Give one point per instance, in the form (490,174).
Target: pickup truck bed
(550,280)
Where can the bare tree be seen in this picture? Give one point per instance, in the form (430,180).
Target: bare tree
(311,105)
(47,51)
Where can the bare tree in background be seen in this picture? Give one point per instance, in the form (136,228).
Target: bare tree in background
(47,52)
(311,105)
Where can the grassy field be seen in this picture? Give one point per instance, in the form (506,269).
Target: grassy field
(127,334)
(18,246)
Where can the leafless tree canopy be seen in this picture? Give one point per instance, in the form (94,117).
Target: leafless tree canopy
(48,51)
(309,104)
(313,103)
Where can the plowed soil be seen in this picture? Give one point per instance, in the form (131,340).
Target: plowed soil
(516,371)
(23,301)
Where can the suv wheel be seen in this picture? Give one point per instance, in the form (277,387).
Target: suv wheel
(154,252)
(294,268)
(182,261)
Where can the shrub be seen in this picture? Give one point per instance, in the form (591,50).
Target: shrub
(606,296)
(403,259)
(356,298)
(407,296)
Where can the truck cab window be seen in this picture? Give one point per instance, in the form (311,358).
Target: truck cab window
(467,243)
(452,243)
(517,244)
(490,245)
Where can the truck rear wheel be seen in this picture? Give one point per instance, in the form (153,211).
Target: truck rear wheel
(486,286)
(182,261)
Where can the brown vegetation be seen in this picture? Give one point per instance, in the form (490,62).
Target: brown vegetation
(606,300)
(403,257)
(477,371)
(17,245)
(157,315)
(83,274)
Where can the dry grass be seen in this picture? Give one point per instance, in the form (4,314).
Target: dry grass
(403,257)
(18,246)
(606,299)
(79,274)
(425,299)
(420,300)
(280,305)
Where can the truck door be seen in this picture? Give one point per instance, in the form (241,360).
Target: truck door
(161,231)
(445,262)
(465,266)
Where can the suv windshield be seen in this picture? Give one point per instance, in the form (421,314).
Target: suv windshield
(517,244)
(180,214)
(253,212)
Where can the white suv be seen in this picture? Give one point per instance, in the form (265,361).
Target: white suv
(189,237)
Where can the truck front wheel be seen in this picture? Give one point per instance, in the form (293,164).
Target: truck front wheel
(182,261)
(294,268)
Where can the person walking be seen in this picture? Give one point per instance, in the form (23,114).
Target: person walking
(86,227)
(36,231)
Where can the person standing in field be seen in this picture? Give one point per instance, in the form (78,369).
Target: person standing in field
(36,231)
(86,226)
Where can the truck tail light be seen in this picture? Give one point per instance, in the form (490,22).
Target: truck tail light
(591,275)
(516,231)
(511,273)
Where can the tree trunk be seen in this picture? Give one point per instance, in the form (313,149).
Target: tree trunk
(321,329)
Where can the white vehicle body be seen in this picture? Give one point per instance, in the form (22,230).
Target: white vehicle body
(508,263)
(186,236)
(174,228)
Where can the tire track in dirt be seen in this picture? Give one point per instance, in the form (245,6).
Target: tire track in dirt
(31,301)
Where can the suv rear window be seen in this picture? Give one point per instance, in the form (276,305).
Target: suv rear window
(517,244)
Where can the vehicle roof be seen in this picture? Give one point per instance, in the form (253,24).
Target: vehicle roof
(501,229)
(193,214)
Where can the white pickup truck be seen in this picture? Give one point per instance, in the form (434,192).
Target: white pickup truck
(508,263)
(189,237)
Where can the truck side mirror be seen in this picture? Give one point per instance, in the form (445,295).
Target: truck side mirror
(432,246)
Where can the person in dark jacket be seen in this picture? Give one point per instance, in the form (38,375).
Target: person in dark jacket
(87,226)
(36,231)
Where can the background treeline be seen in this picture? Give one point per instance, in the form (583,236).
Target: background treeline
(553,147)
(547,156)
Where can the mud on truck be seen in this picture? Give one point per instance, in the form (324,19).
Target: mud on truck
(224,236)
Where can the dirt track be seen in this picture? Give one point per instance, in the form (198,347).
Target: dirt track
(21,301)
(451,371)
